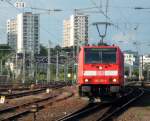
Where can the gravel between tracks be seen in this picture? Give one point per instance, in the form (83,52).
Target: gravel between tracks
(58,109)
(25,99)
(139,111)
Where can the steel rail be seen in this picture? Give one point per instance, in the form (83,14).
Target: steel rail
(31,92)
(88,109)
(25,104)
(41,104)
(29,103)
(108,116)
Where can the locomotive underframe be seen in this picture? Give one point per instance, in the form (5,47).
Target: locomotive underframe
(98,90)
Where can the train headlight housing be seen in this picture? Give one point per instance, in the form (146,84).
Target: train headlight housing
(114,80)
(86,80)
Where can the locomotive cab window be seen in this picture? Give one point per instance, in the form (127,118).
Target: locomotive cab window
(100,55)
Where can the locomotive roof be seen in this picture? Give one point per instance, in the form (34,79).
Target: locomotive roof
(102,46)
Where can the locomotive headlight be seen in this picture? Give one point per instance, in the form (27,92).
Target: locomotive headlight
(114,80)
(86,80)
(100,68)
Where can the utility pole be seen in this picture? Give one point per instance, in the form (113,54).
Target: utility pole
(24,66)
(1,66)
(130,71)
(65,64)
(57,67)
(77,38)
(66,68)
(130,68)
(16,71)
(148,73)
(36,73)
(49,63)
(64,72)
(32,64)
(141,69)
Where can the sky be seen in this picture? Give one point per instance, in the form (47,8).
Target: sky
(130,28)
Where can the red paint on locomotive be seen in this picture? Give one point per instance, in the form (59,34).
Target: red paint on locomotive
(100,68)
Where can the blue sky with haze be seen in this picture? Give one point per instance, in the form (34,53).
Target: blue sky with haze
(133,25)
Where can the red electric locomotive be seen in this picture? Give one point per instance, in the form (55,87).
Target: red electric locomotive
(100,71)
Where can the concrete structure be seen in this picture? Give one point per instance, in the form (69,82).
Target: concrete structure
(145,61)
(12,33)
(75,30)
(23,33)
(131,61)
(28,32)
(144,67)
(66,33)
(131,58)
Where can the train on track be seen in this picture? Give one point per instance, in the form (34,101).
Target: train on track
(100,71)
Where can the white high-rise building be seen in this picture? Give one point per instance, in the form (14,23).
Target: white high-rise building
(131,58)
(26,29)
(12,33)
(28,32)
(145,61)
(66,33)
(75,30)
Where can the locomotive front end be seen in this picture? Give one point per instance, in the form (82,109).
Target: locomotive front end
(99,71)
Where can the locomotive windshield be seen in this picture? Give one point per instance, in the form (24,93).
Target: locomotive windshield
(100,55)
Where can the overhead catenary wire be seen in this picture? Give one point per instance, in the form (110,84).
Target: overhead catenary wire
(135,29)
(48,11)
(107,17)
(126,21)
(114,6)
(100,10)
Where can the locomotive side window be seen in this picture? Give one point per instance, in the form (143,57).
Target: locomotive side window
(100,55)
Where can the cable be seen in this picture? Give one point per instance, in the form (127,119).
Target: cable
(126,20)
(49,33)
(100,10)
(105,15)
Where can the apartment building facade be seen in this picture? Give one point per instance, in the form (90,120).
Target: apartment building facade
(75,30)
(23,33)
(12,33)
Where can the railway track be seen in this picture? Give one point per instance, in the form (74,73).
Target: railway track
(122,104)
(15,112)
(76,116)
(30,92)
(104,111)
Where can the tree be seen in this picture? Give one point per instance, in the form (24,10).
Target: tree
(43,50)
(4,51)
(136,72)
